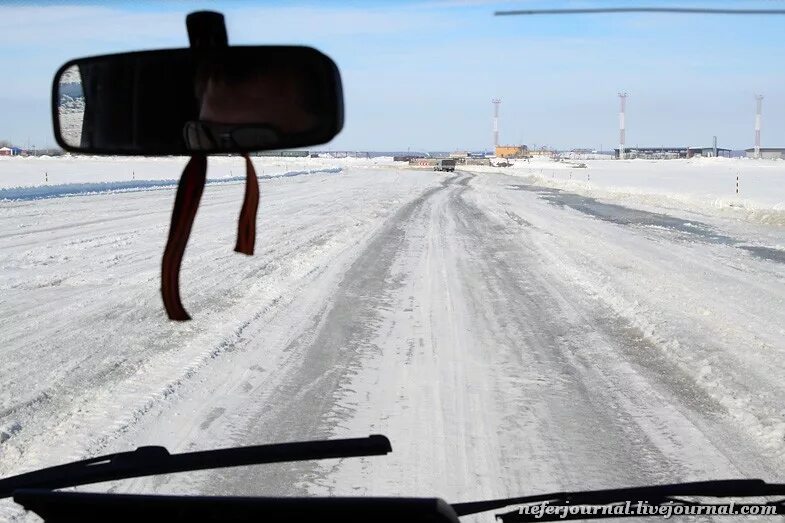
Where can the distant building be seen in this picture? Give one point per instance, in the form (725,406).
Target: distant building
(288,154)
(768,153)
(512,151)
(540,153)
(6,151)
(708,152)
(423,162)
(667,153)
(407,157)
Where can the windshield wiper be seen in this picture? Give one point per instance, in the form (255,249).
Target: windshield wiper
(151,461)
(652,495)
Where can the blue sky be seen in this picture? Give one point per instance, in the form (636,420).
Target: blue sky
(422,74)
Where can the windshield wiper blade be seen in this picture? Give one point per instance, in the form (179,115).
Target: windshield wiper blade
(653,495)
(152,461)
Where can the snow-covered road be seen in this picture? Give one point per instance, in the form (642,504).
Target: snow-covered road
(507,338)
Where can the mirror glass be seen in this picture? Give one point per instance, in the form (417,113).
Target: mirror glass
(177,102)
(70,106)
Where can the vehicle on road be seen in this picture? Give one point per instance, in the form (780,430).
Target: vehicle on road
(445,164)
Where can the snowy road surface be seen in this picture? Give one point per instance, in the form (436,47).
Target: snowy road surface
(507,338)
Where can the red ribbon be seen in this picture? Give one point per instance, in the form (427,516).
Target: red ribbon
(246,225)
(189,193)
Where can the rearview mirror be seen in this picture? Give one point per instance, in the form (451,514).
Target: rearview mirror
(180,102)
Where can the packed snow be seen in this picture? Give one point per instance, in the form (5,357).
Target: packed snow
(701,184)
(513,330)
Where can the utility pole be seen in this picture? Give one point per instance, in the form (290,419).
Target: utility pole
(622,124)
(758,105)
(496,102)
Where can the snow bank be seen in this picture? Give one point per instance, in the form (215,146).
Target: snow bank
(47,171)
(700,184)
(70,189)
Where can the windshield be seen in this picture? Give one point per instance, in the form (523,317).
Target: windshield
(545,253)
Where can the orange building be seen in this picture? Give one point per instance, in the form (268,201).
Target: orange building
(512,151)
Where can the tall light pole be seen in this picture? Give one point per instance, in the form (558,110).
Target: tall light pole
(622,125)
(758,105)
(496,102)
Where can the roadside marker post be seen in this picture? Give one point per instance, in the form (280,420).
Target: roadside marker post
(737,184)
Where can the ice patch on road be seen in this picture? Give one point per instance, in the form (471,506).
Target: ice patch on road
(40,192)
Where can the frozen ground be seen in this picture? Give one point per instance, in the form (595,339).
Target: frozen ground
(701,184)
(508,337)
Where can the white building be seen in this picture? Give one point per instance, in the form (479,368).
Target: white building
(767,153)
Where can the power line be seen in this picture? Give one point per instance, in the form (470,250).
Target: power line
(670,10)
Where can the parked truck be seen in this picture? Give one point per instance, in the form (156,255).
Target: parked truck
(445,164)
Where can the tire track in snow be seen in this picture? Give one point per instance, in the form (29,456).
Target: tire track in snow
(298,254)
(310,231)
(590,430)
(328,354)
(524,384)
(676,413)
